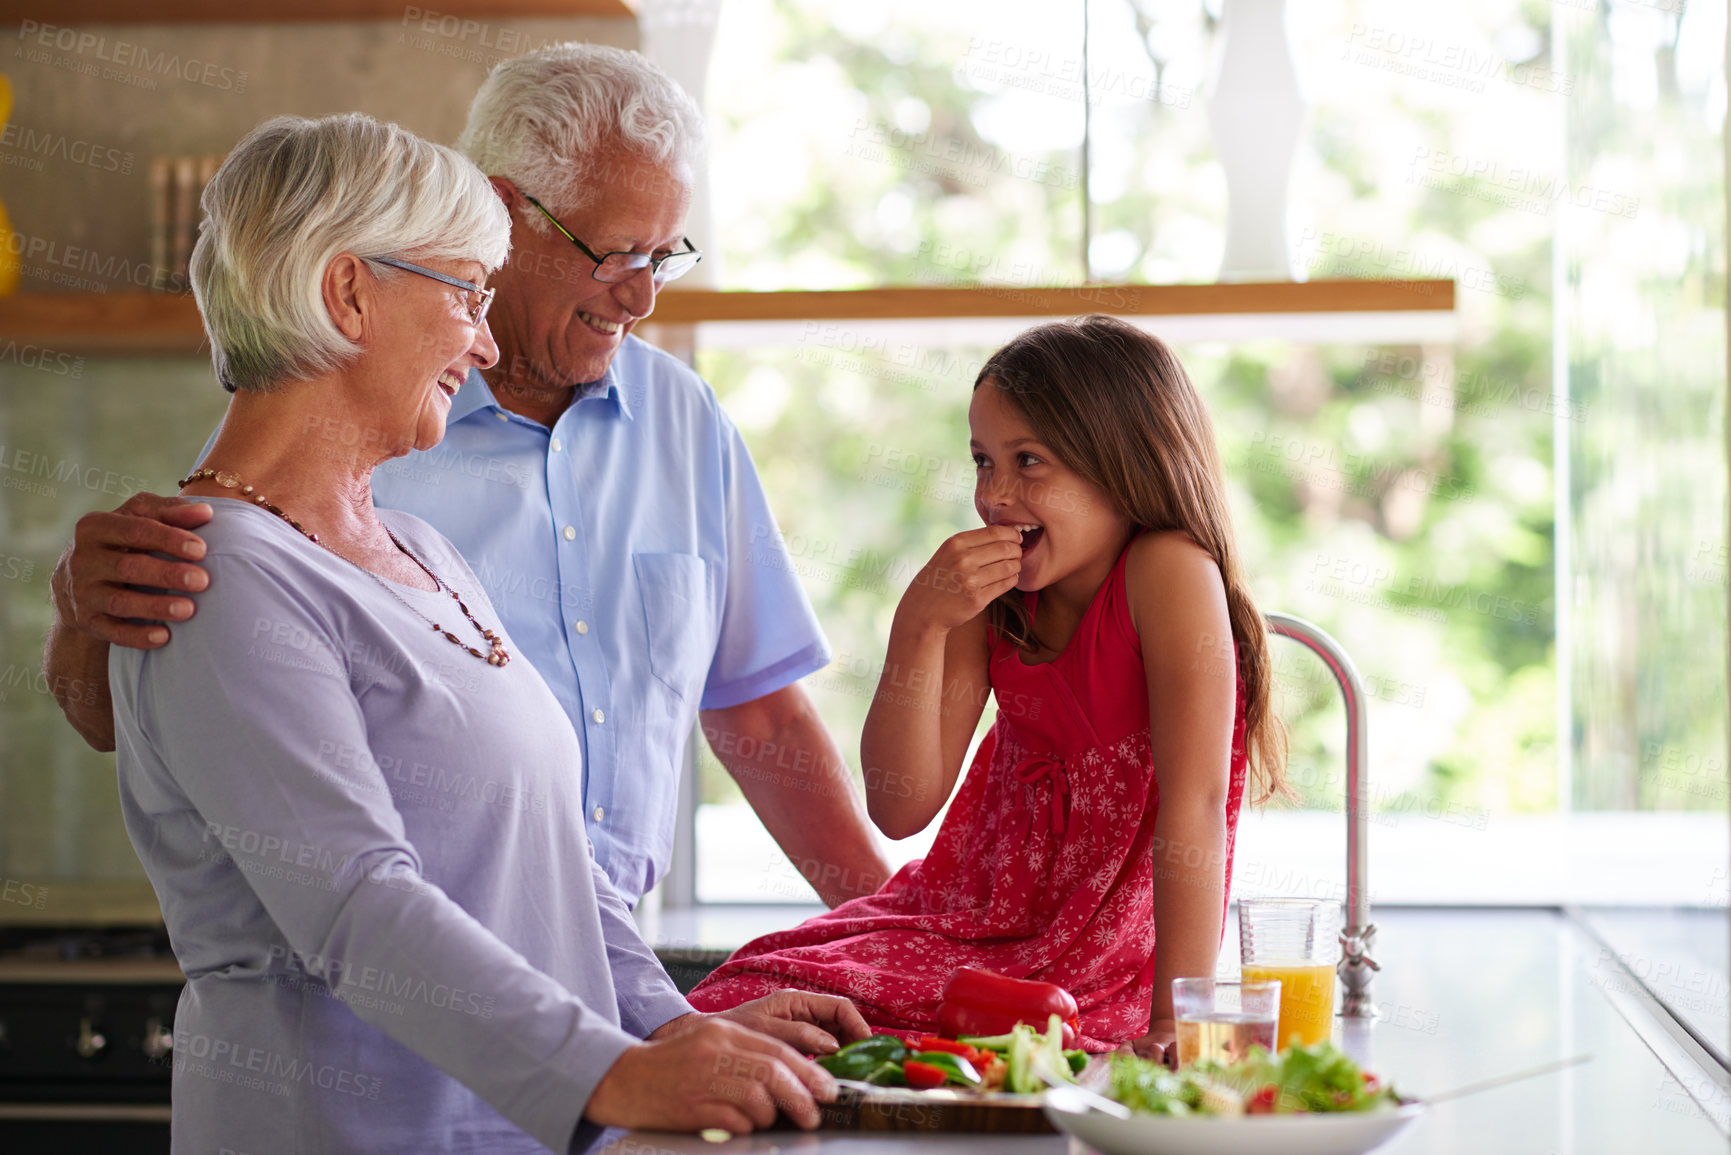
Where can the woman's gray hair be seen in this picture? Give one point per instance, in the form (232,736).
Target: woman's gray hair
(546,119)
(291,197)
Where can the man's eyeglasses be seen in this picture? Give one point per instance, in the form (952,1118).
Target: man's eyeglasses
(476,299)
(612,268)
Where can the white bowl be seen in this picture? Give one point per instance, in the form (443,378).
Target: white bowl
(1345,1133)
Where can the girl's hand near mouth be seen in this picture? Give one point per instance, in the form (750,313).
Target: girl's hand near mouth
(964,575)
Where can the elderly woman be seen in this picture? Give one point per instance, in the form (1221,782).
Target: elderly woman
(359,807)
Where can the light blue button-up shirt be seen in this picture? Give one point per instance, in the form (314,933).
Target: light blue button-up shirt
(632,554)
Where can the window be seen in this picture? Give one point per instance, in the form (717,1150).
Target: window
(1401,491)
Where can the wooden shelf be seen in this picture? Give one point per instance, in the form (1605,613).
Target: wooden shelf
(697,306)
(113,323)
(68,12)
(120,324)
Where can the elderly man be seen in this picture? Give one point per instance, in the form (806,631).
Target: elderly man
(606,502)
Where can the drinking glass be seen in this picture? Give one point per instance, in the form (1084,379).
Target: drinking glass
(1222,1020)
(1295,941)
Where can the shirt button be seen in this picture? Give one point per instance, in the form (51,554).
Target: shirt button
(582,627)
(599,717)
(599,813)
(556,445)
(570,533)
(502,415)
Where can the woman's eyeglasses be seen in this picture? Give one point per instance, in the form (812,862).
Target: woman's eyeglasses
(477,299)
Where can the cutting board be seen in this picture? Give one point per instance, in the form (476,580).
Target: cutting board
(863,1107)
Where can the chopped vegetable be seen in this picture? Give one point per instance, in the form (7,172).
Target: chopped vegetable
(955,1068)
(1022,1060)
(983,1002)
(935,1043)
(1219,1099)
(924,1076)
(1034,1060)
(861,1059)
(886,1074)
(886,1061)
(1302,1079)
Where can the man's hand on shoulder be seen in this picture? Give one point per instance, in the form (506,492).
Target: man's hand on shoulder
(102,578)
(96,588)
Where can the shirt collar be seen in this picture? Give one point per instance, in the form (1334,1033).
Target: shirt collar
(472,396)
(613,388)
(476,395)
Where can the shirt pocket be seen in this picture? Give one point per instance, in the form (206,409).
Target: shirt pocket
(676,618)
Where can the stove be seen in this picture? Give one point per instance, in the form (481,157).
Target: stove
(86,1039)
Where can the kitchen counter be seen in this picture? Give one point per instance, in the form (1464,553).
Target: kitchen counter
(1465,995)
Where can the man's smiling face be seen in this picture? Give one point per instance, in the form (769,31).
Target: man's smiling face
(550,311)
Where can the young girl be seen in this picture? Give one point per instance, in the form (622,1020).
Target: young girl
(1102,606)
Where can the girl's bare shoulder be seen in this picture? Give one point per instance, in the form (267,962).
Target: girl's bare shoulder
(1169,558)
(1169,577)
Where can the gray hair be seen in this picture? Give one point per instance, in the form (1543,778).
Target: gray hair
(544,119)
(291,197)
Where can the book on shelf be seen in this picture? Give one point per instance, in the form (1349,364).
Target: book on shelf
(176,186)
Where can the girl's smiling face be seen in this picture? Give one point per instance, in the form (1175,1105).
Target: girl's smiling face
(1072,532)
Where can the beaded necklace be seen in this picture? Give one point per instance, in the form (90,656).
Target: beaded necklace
(498,657)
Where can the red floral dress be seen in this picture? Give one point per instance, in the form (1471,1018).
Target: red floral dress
(1043,868)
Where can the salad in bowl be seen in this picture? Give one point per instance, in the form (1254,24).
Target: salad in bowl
(1303,1101)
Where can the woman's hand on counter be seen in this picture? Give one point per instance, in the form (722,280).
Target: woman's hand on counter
(710,1073)
(1159,1044)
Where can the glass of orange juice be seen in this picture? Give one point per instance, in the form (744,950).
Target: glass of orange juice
(1295,941)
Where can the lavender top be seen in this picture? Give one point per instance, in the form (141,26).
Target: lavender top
(369,849)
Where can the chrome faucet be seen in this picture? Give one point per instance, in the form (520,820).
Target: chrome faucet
(1358,936)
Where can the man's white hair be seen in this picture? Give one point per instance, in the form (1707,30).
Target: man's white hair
(291,197)
(546,121)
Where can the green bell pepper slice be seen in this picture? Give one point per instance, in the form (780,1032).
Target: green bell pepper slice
(958,1069)
(858,1060)
(887,1073)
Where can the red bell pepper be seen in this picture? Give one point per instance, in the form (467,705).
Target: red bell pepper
(983,1002)
(924,1076)
(934,1043)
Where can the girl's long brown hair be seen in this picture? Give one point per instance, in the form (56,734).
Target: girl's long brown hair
(1116,407)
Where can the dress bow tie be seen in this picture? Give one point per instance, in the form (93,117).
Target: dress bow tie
(1036,767)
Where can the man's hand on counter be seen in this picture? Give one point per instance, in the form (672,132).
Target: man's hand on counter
(709,1073)
(813,1024)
